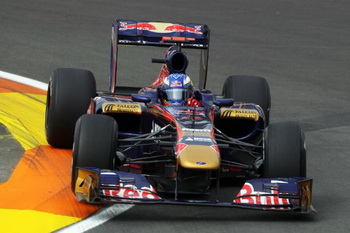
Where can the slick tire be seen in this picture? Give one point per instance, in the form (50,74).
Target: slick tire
(250,89)
(68,97)
(95,143)
(285,152)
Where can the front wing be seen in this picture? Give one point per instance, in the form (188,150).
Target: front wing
(95,186)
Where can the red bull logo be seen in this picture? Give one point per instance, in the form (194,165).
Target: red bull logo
(176,83)
(182,28)
(159,27)
(139,26)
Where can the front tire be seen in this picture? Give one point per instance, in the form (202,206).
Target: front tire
(249,89)
(68,97)
(95,143)
(285,152)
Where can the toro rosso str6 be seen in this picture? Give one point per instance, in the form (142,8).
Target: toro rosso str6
(141,145)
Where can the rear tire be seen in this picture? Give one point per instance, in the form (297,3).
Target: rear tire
(95,143)
(68,97)
(285,152)
(249,89)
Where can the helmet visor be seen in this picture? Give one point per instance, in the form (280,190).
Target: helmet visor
(176,94)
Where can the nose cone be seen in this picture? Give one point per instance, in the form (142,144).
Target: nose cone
(199,157)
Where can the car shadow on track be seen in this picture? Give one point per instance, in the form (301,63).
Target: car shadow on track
(198,213)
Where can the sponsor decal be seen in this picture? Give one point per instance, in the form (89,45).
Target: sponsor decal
(132,192)
(198,139)
(198,134)
(139,26)
(160,27)
(176,83)
(239,113)
(176,76)
(196,130)
(201,163)
(231,169)
(182,28)
(121,108)
(248,195)
(196,112)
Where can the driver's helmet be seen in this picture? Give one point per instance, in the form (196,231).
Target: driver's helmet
(176,89)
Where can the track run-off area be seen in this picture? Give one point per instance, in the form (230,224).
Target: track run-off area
(38,192)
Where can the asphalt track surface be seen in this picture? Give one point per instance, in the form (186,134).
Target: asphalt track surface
(301,47)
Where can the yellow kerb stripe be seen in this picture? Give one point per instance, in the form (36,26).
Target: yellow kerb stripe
(32,221)
(23,115)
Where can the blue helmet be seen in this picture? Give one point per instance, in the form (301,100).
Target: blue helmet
(176,89)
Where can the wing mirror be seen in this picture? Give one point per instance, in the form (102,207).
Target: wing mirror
(141,98)
(223,102)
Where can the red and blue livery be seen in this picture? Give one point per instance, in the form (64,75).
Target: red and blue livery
(142,145)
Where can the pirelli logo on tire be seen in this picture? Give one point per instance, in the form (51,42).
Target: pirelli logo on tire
(249,114)
(121,108)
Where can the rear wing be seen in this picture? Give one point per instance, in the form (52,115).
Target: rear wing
(152,33)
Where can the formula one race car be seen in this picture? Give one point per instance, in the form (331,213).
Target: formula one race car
(171,142)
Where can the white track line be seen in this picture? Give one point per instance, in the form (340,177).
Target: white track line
(101,216)
(23,80)
(96,219)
